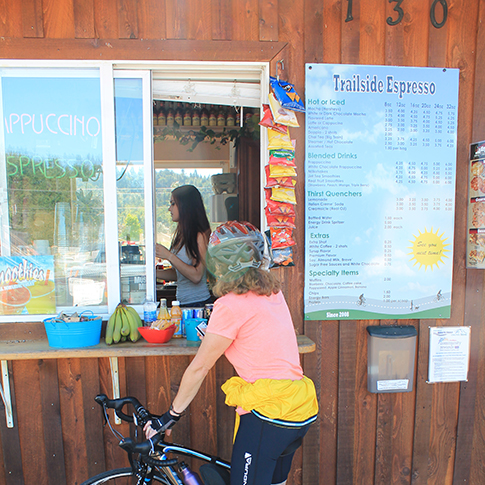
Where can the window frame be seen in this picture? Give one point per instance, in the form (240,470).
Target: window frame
(108,71)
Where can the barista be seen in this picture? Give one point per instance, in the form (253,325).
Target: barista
(188,248)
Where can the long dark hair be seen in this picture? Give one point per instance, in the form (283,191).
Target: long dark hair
(192,220)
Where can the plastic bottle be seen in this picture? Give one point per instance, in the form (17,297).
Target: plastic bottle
(149,312)
(188,476)
(163,314)
(176,318)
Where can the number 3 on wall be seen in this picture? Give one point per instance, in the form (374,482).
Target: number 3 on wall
(400,13)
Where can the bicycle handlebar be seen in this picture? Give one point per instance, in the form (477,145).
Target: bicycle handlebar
(142,417)
(117,404)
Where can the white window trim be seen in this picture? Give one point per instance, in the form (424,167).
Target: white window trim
(149,179)
(109,186)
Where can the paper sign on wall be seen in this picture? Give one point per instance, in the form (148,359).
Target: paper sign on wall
(449,354)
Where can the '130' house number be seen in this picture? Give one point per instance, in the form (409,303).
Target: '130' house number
(400,13)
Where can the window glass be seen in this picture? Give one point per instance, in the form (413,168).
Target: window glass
(52,244)
(130,188)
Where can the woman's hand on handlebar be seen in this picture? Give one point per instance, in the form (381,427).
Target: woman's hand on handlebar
(161,424)
(150,432)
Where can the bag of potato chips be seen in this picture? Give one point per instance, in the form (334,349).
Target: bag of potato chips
(285,93)
(278,141)
(268,122)
(281,194)
(275,207)
(283,257)
(282,115)
(281,171)
(281,237)
(288,154)
(289,162)
(275,220)
(280,257)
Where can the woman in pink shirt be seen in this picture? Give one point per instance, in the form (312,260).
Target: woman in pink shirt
(251,324)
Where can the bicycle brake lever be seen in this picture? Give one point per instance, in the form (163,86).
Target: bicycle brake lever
(144,448)
(105,415)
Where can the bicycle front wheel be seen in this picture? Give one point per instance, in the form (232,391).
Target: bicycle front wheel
(121,476)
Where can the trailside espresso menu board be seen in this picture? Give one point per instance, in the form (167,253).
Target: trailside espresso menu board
(380,185)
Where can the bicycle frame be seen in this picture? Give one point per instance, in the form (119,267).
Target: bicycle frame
(152,452)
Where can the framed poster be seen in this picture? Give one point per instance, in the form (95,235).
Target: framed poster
(380,168)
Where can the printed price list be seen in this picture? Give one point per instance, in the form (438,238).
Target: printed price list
(409,125)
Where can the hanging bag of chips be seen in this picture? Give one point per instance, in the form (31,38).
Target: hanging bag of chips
(282,115)
(268,122)
(287,96)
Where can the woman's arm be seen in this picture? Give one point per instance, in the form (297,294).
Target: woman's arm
(166,274)
(193,273)
(212,347)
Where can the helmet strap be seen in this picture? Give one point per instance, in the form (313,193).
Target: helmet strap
(239,266)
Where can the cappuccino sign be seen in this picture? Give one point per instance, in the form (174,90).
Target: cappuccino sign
(52,126)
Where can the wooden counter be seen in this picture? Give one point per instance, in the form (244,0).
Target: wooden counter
(39,349)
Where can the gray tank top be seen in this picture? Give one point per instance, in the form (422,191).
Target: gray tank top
(188,292)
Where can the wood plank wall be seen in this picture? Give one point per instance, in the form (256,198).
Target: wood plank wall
(434,435)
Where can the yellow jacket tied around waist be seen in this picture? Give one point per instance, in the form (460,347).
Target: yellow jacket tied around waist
(277,399)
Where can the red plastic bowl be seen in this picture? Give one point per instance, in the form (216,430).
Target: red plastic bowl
(155,336)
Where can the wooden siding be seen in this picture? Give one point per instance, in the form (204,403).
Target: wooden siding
(432,436)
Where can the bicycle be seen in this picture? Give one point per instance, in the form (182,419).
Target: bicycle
(148,459)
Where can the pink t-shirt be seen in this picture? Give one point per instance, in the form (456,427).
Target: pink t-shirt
(264,341)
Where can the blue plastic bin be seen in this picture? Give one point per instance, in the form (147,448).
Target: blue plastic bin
(71,335)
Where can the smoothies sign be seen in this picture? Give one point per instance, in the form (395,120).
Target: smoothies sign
(27,285)
(380,184)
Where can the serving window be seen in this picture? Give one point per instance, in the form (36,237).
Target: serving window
(80,170)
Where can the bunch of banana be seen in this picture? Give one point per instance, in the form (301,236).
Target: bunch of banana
(123,325)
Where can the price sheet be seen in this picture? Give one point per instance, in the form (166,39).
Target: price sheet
(380,162)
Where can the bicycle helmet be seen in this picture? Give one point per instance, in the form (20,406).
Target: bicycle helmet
(234,247)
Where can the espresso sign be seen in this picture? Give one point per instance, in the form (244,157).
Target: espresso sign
(380,186)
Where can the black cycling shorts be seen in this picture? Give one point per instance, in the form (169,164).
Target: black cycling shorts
(256,455)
